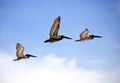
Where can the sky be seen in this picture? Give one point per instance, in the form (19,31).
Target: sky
(28,22)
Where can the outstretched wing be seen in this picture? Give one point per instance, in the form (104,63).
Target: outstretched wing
(84,34)
(55,27)
(19,50)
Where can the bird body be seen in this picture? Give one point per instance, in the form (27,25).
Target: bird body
(60,37)
(83,39)
(52,40)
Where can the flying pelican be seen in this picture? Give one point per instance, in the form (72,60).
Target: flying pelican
(20,53)
(84,36)
(54,32)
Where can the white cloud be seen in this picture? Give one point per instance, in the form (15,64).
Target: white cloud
(113,76)
(50,69)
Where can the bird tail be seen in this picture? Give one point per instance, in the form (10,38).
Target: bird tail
(77,40)
(46,41)
(15,59)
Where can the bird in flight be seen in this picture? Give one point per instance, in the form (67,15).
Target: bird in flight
(53,35)
(20,53)
(84,36)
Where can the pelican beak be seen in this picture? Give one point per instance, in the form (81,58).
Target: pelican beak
(97,36)
(29,55)
(67,37)
(33,56)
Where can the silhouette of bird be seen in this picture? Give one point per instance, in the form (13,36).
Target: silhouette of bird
(84,36)
(54,32)
(20,53)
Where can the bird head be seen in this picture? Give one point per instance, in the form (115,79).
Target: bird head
(94,36)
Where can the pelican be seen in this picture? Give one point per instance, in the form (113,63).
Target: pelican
(54,32)
(20,53)
(84,36)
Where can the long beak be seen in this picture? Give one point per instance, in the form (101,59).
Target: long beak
(33,56)
(97,36)
(30,55)
(67,37)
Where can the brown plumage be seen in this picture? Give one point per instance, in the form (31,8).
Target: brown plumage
(54,32)
(84,36)
(20,53)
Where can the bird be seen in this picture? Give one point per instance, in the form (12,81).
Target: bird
(53,35)
(20,53)
(84,36)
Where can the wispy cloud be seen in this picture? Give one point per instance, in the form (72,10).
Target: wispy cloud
(50,69)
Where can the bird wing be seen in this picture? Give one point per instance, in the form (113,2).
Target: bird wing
(20,50)
(55,27)
(84,34)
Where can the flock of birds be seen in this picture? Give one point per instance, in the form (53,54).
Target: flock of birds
(54,37)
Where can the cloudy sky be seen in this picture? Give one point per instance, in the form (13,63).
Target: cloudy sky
(28,22)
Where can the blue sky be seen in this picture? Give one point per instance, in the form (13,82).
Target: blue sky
(29,21)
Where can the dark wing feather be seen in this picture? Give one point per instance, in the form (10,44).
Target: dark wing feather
(55,27)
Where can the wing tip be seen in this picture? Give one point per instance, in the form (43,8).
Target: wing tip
(58,18)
